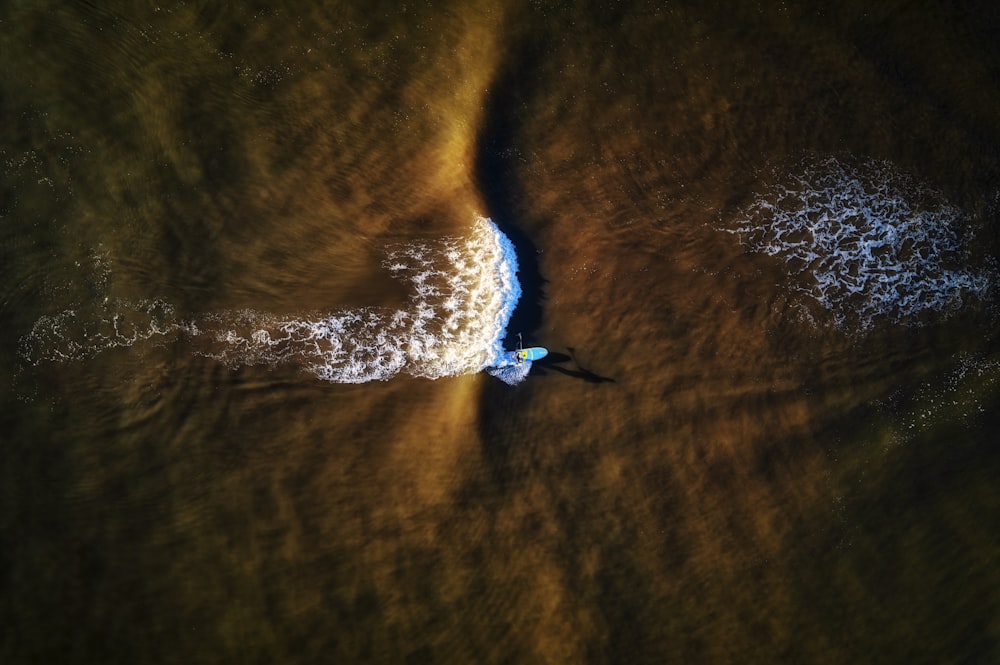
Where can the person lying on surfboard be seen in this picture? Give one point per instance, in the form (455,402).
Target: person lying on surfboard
(524,355)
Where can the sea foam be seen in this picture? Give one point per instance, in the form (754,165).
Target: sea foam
(867,243)
(463,292)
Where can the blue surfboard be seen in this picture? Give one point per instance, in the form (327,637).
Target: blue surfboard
(531,353)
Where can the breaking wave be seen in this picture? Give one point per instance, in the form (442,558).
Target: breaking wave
(464,291)
(511,373)
(868,243)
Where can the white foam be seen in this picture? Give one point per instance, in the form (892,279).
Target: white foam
(869,243)
(116,324)
(511,373)
(464,291)
(959,396)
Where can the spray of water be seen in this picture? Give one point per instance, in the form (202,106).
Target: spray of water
(464,291)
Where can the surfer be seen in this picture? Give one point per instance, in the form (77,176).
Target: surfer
(523,355)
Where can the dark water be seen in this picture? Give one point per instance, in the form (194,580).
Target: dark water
(759,242)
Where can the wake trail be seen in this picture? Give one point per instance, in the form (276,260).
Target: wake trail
(463,292)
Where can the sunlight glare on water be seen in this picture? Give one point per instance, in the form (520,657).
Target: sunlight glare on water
(253,311)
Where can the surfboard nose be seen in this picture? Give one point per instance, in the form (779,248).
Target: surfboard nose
(534,353)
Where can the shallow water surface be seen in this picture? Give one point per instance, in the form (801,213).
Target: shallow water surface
(259,265)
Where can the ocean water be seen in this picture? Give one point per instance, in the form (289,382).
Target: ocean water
(463,292)
(261,266)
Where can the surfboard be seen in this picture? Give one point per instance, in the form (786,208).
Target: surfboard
(531,353)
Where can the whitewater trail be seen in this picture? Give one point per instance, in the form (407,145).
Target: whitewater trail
(463,292)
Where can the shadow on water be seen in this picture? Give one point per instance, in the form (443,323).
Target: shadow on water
(499,421)
(496,175)
(550,363)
